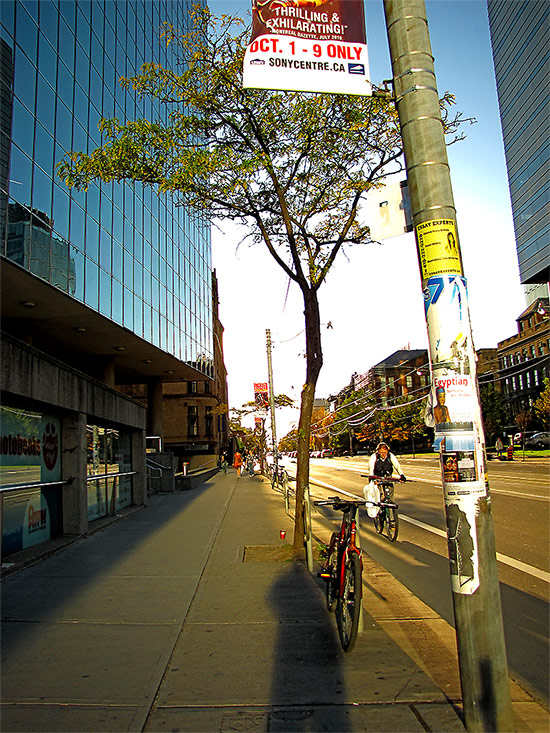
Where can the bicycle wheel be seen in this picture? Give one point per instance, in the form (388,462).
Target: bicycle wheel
(332,568)
(349,606)
(379,521)
(392,524)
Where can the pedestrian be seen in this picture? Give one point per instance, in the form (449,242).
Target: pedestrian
(238,462)
(224,463)
(499,446)
(250,464)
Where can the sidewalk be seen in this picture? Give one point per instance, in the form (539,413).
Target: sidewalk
(177,618)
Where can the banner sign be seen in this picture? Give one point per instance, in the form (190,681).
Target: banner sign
(261,399)
(308,46)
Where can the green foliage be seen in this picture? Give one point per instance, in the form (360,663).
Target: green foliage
(541,406)
(493,413)
(402,423)
(292,166)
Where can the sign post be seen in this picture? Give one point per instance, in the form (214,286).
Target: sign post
(453,410)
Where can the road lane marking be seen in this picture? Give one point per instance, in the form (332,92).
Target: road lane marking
(517,564)
(512,562)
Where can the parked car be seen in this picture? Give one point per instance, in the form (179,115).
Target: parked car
(538,440)
(518,437)
(326,453)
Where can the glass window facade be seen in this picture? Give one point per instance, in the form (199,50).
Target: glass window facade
(109,452)
(121,249)
(519,36)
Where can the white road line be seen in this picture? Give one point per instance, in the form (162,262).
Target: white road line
(517,564)
(437,482)
(512,562)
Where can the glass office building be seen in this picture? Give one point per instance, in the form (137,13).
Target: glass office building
(125,252)
(521,51)
(100,289)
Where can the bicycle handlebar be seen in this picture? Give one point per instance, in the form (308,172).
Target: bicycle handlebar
(385,479)
(338,502)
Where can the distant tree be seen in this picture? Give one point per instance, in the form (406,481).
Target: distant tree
(292,167)
(541,406)
(289,442)
(492,411)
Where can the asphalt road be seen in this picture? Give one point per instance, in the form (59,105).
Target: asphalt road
(520,497)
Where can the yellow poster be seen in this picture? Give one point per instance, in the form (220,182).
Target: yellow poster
(438,248)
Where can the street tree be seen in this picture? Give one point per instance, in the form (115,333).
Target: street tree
(541,406)
(291,167)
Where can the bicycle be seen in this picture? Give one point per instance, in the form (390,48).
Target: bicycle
(278,478)
(388,514)
(343,570)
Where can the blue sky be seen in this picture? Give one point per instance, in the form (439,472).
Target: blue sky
(460,41)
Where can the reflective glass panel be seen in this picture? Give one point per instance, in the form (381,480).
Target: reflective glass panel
(23,127)
(92,239)
(104,293)
(43,149)
(60,212)
(116,301)
(66,43)
(128,309)
(48,20)
(42,192)
(45,104)
(91,285)
(77,226)
(26,33)
(25,80)
(105,248)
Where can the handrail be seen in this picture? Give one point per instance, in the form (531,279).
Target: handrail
(97,477)
(203,465)
(20,487)
(153,464)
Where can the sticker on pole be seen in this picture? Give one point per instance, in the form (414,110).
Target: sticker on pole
(438,248)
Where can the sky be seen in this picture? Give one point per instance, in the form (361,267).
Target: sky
(373,298)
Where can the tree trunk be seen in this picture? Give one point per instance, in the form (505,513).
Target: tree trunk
(314,356)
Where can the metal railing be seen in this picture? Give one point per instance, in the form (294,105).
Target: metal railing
(115,476)
(153,466)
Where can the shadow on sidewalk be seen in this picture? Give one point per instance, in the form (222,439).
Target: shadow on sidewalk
(307,658)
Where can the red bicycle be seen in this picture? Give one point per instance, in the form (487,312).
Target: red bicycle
(343,570)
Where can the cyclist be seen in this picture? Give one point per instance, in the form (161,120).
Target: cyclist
(382,463)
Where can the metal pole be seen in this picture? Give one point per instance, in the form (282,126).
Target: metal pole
(455,412)
(271,397)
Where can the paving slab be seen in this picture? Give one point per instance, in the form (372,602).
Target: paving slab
(174,619)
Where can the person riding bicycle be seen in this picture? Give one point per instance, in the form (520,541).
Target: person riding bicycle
(382,463)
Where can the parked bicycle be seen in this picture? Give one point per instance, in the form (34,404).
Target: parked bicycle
(342,571)
(388,515)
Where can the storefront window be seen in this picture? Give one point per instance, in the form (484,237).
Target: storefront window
(30,456)
(109,452)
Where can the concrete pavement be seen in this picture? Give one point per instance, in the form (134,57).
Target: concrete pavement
(185,616)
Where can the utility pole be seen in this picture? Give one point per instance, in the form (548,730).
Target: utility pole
(271,396)
(455,412)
